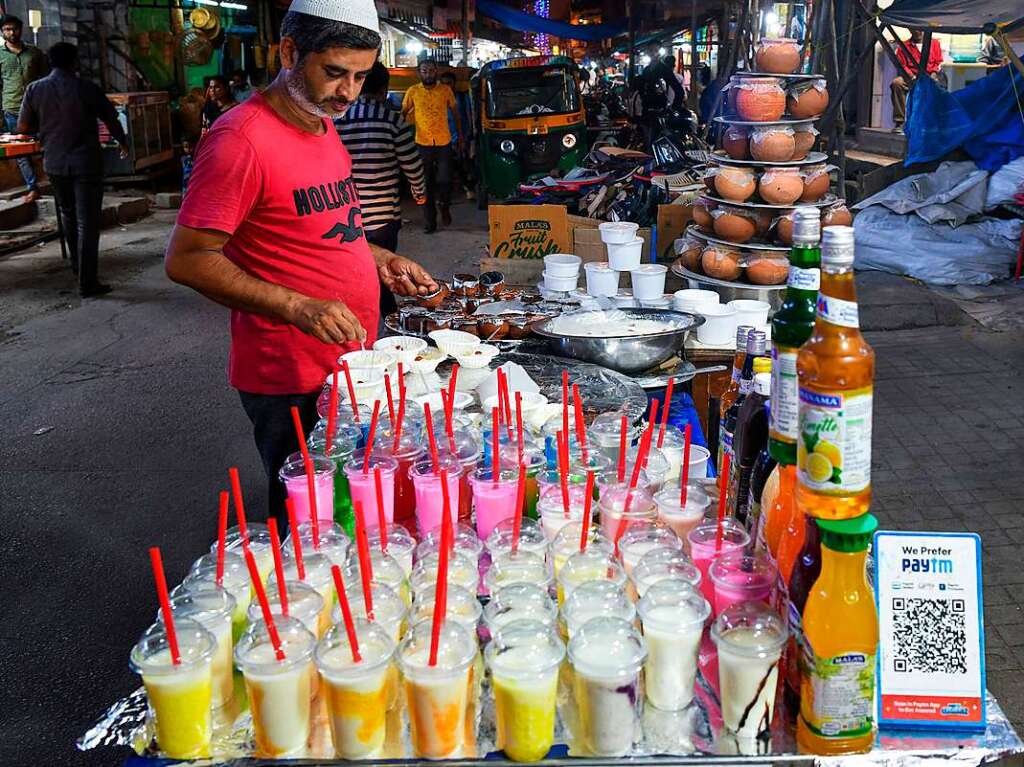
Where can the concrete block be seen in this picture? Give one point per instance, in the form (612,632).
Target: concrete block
(123,210)
(168,200)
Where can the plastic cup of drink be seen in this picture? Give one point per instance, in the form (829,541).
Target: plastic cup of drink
(655,470)
(672,614)
(517,567)
(749,637)
(493,499)
(363,489)
(549,433)
(461,572)
(258,537)
(212,609)
(304,604)
(549,482)
(606,656)
(410,450)
(389,611)
(590,565)
(461,607)
(180,695)
(673,448)
(334,543)
(642,538)
(317,569)
(203,575)
(551,509)
(524,658)
(437,695)
(704,548)
(682,519)
(427,487)
(535,462)
(279,691)
(594,599)
(567,543)
(605,433)
(621,509)
(466,542)
(742,577)
(400,545)
(531,538)
(293,475)
(346,439)
(664,564)
(518,601)
(385,569)
(356,691)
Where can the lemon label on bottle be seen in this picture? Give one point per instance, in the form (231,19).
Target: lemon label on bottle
(833,451)
(784,413)
(804,279)
(838,694)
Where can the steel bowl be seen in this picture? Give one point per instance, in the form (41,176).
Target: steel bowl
(625,354)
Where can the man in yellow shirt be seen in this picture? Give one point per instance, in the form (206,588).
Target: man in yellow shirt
(427,105)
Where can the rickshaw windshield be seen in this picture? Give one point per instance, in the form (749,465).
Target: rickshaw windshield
(534,91)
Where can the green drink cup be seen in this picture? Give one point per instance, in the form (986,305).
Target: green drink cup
(341,452)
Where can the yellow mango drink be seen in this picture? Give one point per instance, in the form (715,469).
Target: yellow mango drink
(180,695)
(278,686)
(212,609)
(437,695)
(356,690)
(524,658)
(835,372)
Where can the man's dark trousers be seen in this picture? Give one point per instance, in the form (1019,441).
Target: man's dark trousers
(437,170)
(81,204)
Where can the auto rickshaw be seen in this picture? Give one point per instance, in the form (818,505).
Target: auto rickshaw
(530,122)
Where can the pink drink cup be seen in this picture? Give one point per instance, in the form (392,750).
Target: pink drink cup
(703,548)
(740,578)
(293,475)
(363,489)
(429,500)
(493,501)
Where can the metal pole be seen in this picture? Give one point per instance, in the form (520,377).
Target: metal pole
(632,42)
(693,56)
(465,33)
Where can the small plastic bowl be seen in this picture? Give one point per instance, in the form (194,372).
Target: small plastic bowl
(427,360)
(366,383)
(462,401)
(405,348)
(616,232)
(561,284)
(562,265)
(454,343)
(479,357)
(367,360)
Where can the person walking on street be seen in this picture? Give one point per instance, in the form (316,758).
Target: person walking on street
(272,228)
(382,148)
(20,64)
(63,109)
(429,103)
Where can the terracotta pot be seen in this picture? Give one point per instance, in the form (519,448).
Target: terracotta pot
(816,183)
(807,99)
(760,99)
(735,226)
(436,298)
(779,56)
(803,142)
(768,271)
(736,142)
(736,184)
(772,144)
(780,186)
(837,215)
(721,263)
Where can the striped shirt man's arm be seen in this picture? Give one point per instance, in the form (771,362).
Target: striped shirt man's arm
(409,157)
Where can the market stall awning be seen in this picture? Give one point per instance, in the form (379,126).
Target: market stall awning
(525,22)
(962,17)
(417,31)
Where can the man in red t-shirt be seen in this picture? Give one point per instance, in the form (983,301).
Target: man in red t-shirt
(900,87)
(271,227)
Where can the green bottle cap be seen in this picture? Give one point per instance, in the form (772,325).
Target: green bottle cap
(848,535)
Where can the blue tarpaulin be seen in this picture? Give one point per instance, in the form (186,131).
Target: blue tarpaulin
(985,119)
(526,22)
(962,17)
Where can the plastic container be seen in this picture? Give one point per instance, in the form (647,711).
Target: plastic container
(617,232)
(519,601)
(648,281)
(562,265)
(454,342)
(720,325)
(403,348)
(750,312)
(476,358)
(664,564)
(602,280)
(693,299)
(625,257)
(559,283)
(672,614)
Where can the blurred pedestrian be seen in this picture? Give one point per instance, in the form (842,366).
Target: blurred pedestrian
(20,64)
(240,87)
(219,100)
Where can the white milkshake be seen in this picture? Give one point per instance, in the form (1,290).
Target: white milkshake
(461,607)
(643,537)
(304,604)
(594,599)
(519,567)
(386,570)
(567,543)
(682,519)
(664,564)
(467,542)
(317,571)
(518,601)
(462,571)
(389,611)
(400,545)
(531,538)
(672,614)
(203,575)
(590,565)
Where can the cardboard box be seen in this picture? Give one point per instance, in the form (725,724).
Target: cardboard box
(672,222)
(528,231)
(587,244)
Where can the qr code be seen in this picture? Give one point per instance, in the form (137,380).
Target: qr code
(930,635)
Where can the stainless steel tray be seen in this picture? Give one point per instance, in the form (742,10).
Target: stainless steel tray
(730,291)
(813,158)
(695,231)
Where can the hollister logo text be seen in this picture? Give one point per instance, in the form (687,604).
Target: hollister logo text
(329,196)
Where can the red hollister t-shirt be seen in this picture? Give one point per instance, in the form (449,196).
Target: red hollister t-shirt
(288,201)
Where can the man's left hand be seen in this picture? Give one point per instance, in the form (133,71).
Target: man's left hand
(405,277)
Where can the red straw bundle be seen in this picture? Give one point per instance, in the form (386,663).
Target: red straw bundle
(261,595)
(504,402)
(684,478)
(300,566)
(441,585)
(452,382)
(723,482)
(622,450)
(365,565)
(222,534)
(369,437)
(588,499)
(664,412)
(517,519)
(641,459)
(346,614)
(581,427)
(275,546)
(430,436)
(332,416)
(391,398)
(382,523)
(165,603)
(351,390)
(449,425)
(307,462)
(236,492)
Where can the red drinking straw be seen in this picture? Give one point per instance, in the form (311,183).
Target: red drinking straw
(430,436)
(452,382)
(307,462)
(519,424)
(401,388)
(275,546)
(222,534)
(300,566)
(504,402)
(581,428)
(236,492)
(565,402)
(369,437)
(351,390)
(622,450)
(641,457)
(346,614)
(332,415)
(447,534)
(664,412)
(722,482)
(381,521)
(441,585)
(398,426)
(165,603)
(684,479)
(587,500)
(391,398)
(562,443)
(495,458)
(517,519)
(449,426)
(365,565)
(261,595)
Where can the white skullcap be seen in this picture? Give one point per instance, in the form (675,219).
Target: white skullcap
(359,13)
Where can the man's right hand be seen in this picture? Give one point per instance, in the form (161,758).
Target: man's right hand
(329,321)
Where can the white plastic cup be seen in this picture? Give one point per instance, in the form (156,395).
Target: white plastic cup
(720,325)
(617,232)
(602,280)
(648,281)
(657,303)
(750,312)
(625,257)
(624,300)
(562,264)
(560,284)
(699,457)
(691,299)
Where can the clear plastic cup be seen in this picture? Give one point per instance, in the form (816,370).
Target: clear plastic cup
(466,542)
(258,536)
(655,469)
(531,538)
(605,433)
(363,487)
(704,547)
(643,537)
(741,577)
(749,637)
(549,482)
(317,571)
(293,475)
(346,440)
(672,614)
(400,545)
(461,607)
(437,695)
(551,509)
(517,567)
(682,519)
(671,449)
(203,575)
(427,487)
(279,691)
(461,572)
(567,543)
(519,601)
(594,599)
(606,656)
(180,695)
(589,565)
(304,604)
(334,543)
(356,691)
(389,611)
(524,658)
(410,450)
(535,462)
(384,568)
(493,500)
(213,610)
(617,516)
(664,564)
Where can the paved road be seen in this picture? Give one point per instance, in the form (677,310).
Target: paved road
(118,428)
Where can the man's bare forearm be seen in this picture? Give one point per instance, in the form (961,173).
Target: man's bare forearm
(380,255)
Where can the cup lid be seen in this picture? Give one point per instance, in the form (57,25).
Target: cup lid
(467,447)
(424,466)
(257,534)
(461,571)
(396,536)
(524,649)
(254,652)
(303,600)
(595,599)
(522,566)
(750,628)
(590,565)
(613,499)
(205,606)
(732,532)
(460,606)
(152,653)
(385,567)
(607,648)
(568,538)
(672,605)
(346,436)
(467,542)
(204,570)
(295,467)
(519,600)
(664,563)
(649,533)
(333,653)
(697,502)
(738,570)
(388,607)
(531,536)
(384,462)
(456,646)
